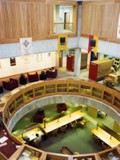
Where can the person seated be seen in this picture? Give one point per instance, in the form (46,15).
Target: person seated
(112,69)
(51,73)
(52,69)
(43,75)
(37,140)
(23,79)
(26,139)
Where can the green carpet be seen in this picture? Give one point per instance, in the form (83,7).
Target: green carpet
(77,140)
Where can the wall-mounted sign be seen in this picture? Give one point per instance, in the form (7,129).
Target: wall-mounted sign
(62,42)
(26,59)
(39,57)
(12,61)
(118,29)
(26,46)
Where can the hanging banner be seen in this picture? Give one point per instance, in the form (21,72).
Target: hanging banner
(93,44)
(26,46)
(118,28)
(95,48)
(62,42)
(89,43)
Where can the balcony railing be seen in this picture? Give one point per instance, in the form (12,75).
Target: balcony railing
(63,27)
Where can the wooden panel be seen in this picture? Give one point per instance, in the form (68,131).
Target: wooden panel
(21,19)
(114,16)
(96,20)
(104,20)
(86,19)
(100,19)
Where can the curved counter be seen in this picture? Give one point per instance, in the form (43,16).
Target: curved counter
(22,99)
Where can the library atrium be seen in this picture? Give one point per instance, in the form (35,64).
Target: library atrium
(59,80)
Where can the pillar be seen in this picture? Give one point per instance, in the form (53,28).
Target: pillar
(77,62)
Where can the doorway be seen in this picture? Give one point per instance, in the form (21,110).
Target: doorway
(62,59)
(66,20)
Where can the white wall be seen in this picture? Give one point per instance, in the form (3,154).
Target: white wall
(27,63)
(108,48)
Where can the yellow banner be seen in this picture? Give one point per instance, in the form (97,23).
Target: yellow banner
(62,42)
(96,46)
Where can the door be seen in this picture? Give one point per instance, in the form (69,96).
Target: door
(61,58)
(66,20)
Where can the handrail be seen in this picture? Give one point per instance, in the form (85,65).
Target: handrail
(17,98)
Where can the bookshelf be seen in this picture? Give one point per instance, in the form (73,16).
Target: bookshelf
(99,69)
(39,91)
(84,57)
(62,87)
(70,62)
(19,101)
(50,88)
(73,88)
(85,89)
(96,92)
(108,97)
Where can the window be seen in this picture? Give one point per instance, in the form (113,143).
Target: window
(63,19)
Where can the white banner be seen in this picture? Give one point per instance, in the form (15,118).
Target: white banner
(118,29)
(25,46)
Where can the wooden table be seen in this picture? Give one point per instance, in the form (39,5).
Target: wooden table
(105,137)
(48,127)
(31,134)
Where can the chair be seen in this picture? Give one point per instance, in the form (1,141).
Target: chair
(61,107)
(1,89)
(23,79)
(63,128)
(33,77)
(73,124)
(54,132)
(82,123)
(51,73)
(10,85)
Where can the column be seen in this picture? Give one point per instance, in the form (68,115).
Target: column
(77,62)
